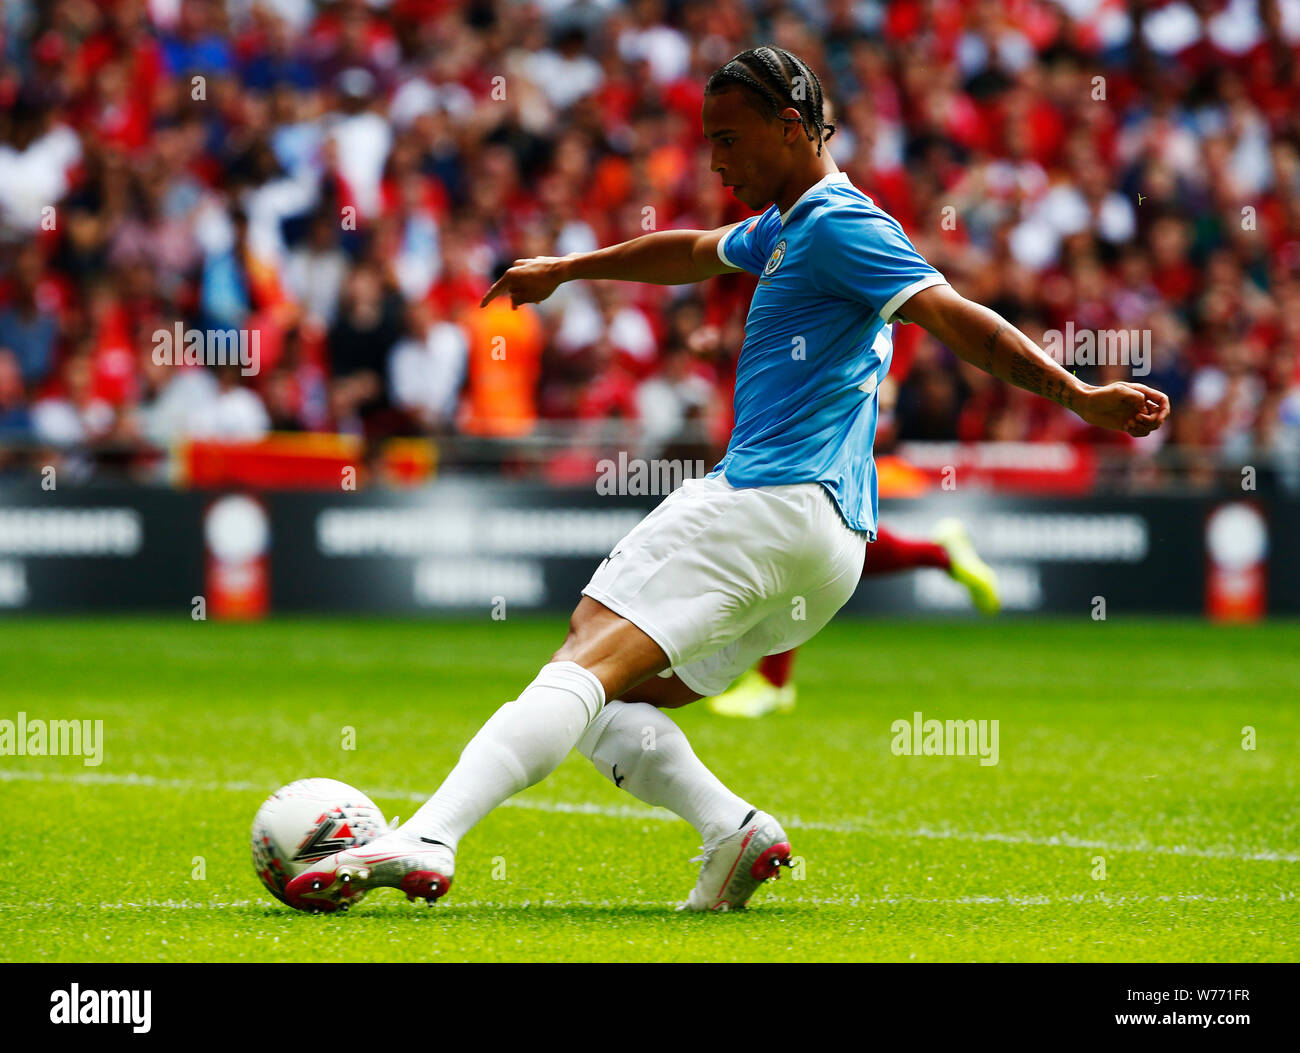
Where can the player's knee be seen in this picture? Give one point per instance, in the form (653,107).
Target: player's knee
(585,623)
(563,654)
(571,638)
(572,646)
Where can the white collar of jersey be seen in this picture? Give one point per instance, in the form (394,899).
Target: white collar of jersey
(826,180)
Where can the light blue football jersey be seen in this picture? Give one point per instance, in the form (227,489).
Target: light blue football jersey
(832,273)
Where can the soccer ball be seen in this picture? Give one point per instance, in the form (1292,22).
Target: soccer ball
(306,821)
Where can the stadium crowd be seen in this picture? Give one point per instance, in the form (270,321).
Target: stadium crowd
(345,178)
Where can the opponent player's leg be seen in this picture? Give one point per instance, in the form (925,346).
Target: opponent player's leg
(948,549)
(965,566)
(521,743)
(892,552)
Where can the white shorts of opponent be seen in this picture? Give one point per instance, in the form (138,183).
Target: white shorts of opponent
(719,576)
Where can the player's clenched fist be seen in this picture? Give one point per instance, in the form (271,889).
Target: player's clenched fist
(1125,406)
(528,281)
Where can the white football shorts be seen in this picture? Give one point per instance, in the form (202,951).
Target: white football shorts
(719,576)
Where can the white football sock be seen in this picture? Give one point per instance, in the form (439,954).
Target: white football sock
(521,743)
(639,748)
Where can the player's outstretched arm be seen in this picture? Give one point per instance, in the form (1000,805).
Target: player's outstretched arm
(666,257)
(985,339)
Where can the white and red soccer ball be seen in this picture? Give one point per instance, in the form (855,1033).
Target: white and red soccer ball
(306,821)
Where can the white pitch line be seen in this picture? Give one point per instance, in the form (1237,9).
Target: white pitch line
(1070,841)
(853,826)
(785,900)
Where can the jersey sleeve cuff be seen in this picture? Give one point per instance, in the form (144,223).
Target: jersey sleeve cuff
(901,297)
(722,254)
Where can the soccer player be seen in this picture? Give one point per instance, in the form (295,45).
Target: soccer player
(769,687)
(711,580)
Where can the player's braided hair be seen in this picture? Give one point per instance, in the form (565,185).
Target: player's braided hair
(777,79)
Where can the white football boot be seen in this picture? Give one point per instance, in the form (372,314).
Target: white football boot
(733,867)
(417,866)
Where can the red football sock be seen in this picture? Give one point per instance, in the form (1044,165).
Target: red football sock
(891,553)
(775,668)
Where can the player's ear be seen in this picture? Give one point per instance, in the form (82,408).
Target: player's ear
(792,124)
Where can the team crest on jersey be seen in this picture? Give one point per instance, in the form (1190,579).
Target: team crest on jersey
(774,260)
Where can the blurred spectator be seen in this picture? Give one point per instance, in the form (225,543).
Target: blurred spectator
(73,416)
(505,354)
(316,269)
(26,330)
(38,157)
(566,73)
(15,419)
(297,390)
(184,398)
(667,401)
(235,413)
(369,322)
(427,369)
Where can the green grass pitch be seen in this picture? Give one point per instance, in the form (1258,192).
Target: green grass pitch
(1120,741)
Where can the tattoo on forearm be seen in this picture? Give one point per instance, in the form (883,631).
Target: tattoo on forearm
(990,343)
(1027,372)
(1058,392)
(1034,376)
